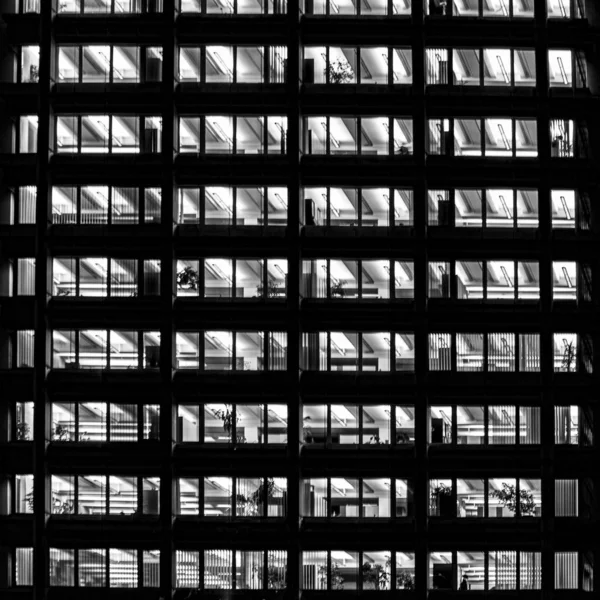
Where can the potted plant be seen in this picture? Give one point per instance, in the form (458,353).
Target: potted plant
(441,501)
(188,278)
(34,74)
(568,357)
(253,505)
(337,581)
(375,576)
(276,576)
(61,433)
(340,71)
(405,581)
(273,289)
(337,289)
(524,500)
(62,507)
(23,431)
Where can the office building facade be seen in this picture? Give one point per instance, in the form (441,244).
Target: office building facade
(298,299)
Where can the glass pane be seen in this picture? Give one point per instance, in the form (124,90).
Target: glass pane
(95,66)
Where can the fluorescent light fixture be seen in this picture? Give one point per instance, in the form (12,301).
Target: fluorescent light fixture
(224,68)
(503,69)
(504,138)
(281,200)
(342,413)
(221,134)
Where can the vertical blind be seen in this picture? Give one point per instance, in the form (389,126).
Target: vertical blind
(218,567)
(25,346)
(27,204)
(566,567)
(566,498)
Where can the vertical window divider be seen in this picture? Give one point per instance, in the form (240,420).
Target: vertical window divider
(486,428)
(234,415)
(110,133)
(266,347)
(359,366)
(454,428)
(453,346)
(202,134)
(485,347)
(359,273)
(140,422)
(201,285)
(235,50)
(484,280)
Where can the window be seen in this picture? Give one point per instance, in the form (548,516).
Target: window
(492,137)
(572,353)
(223,278)
(563,209)
(572,425)
(564,280)
(18,206)
(242,206)
(356,279)
(101,422)
(227,134)
(491,280)
(240,7)
(28,6)
(233,64)
(17,349)
(566,498)
(348,424)
(491,570)
(506,352)
(500,67)
(23,499)
(364,65)
(566,570)
(567,69)
(568,139)
(345,8)
(565,9)
(367,136)
(104,567)
(28,67)
(476,424)
(505,208)
(108,64)
(117,7)
(108,134)
(102,495)
(17,277)
(23,422)
(502,9)
(105,205)
(357,207)
(220,566)
(356,498)
(237,497)
(226,423)
(230,350)
(102,277)
(218,569)
(27,134)
(354,570)
(23,567)
(102,349)
(350,351)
